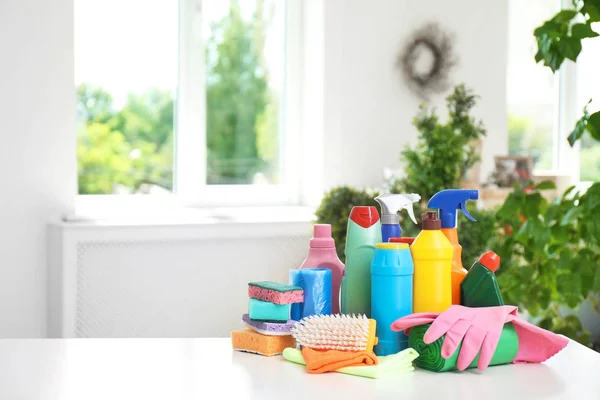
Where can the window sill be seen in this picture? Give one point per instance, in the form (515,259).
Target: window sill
(170,214)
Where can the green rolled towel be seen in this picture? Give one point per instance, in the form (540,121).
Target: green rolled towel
(430,355)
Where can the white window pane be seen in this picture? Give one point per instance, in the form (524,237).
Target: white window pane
(588,87)
(531,88)
(126,78)
(244,86)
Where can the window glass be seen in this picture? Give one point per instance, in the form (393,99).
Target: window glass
(244,86)
(125,75)
(588,87)
(532,89)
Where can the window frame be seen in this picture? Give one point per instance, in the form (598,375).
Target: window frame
(189,162)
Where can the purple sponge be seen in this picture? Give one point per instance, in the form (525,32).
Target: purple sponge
(269,328)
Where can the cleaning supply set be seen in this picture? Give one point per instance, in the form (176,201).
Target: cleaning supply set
(402,300)
(268,325)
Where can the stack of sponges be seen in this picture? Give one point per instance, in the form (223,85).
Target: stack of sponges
(268,325)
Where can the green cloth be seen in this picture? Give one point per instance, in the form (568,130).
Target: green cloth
(392,365)
(431,359)
(276,286)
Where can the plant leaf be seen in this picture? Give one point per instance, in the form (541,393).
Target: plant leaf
(593,125)
(596,286)
(545,185)
(570,47)
(565,15)
(592,8)
(581,31)
(580,126)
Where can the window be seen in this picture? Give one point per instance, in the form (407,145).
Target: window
(588,87)
(544,107)
(185,97)
(531,88)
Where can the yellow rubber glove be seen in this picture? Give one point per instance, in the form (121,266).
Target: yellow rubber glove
(392,365)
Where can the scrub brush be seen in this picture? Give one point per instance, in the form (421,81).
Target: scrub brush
(336,332)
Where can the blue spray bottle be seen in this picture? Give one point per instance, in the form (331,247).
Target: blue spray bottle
(390,205)
(448,202)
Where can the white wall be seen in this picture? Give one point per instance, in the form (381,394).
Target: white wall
(37,151)
(368,108)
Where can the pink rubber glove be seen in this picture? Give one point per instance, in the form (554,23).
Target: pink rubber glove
(478,329)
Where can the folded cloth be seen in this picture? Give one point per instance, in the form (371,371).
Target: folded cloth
(392,365)
(320,361)
(480,329)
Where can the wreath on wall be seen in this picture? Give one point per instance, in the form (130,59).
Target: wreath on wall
(427,60)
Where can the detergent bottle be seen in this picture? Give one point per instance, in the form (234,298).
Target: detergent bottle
(448,202)
(432,257)
(391,294)
(480,288)
(390,205)
(364,232)
(322,254)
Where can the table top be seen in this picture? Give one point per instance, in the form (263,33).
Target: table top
(207,368)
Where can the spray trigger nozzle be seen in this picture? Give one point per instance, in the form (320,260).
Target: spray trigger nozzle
(463,207)
(411,213)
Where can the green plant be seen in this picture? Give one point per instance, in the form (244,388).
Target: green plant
(335,208)
(443,153)
(550,254)
(559,39)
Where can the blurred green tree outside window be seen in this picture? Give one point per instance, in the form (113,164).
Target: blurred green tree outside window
(128,146)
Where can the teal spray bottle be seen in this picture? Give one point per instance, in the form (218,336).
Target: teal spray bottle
(390,205)
(364,232)
(448,202)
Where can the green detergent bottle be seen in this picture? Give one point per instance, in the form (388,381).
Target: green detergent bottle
(480,287)
(364,232)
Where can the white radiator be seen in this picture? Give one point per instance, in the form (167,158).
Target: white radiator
(163,281)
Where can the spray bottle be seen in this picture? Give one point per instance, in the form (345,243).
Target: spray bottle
(432,257)
(390,205)
(448,202)
(364,232)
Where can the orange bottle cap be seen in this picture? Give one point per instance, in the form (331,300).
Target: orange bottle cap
(490,260)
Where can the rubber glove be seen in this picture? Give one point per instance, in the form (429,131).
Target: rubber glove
(478,329)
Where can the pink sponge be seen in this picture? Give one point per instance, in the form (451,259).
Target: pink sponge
(274,292)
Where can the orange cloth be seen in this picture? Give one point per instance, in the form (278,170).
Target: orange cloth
(319,361)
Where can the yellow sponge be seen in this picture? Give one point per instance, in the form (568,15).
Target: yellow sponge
(253,342)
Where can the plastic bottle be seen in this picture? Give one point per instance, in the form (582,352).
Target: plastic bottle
(364,232)
(391,294)
(322,254)
(449,202)
(480,288)
(390,205)
(432,257)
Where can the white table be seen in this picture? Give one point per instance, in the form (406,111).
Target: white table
(172,369)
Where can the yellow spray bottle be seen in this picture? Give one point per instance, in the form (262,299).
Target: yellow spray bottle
(432,257)
(449,202)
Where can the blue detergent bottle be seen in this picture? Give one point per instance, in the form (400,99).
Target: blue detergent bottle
(392,272)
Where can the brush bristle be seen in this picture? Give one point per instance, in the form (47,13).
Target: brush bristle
(333,332)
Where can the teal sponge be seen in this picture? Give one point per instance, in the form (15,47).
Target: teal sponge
(264,311)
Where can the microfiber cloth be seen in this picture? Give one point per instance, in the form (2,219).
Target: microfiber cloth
(535,344)
(269,328)
(392,365)
(320,361)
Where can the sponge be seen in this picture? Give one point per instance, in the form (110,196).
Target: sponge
(268,328)
(275,292)
(253,342)
(264,311)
